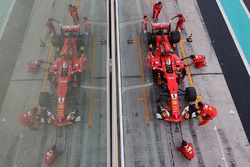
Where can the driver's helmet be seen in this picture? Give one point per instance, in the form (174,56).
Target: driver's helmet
(168,62)
(169,66)
(65,65)
(65,69)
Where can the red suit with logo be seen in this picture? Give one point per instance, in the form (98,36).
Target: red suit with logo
(180,22)
(207,113)
(73,12)
(187,150)
(50,155)
(156,10)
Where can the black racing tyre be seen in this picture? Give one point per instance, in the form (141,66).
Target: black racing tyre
(155,74)
(151,41)
(44,99)
(57,41)
(183,73)
(191,94)
(78,76)
(174,37)
(80,42)
(82,38)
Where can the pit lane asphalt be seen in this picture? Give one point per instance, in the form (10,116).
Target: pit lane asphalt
(229,58)
(11,41)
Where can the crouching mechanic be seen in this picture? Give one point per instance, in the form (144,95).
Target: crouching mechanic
(51,154)
(187,150)
(29,118)
(205,111)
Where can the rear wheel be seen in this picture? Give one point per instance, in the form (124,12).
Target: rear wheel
(57,41)
(80,44)
(151,41)
(174,37)
(77,79)
(81,39)
(44,99)
(191,94)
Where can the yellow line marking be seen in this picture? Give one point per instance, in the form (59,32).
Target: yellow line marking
(140,98)
(191,82)
(78,2)
(45,76)
(152,3)
(145,96)
(186,63)
(44,81)
(199,97)
(92,98)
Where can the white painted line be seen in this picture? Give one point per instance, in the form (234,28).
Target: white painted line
(245,8)
(223,154)
(94,87)
(7,18)
(243,57)
(17,151)
(126,88)
(130,22)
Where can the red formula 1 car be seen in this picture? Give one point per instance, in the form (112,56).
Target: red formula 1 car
(169,72)
(65,77)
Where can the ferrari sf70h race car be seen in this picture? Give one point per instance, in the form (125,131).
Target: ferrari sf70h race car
(169,72)
(64,74)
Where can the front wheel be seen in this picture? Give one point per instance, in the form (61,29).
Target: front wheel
(57,41)
(174,37)
(191,94)
(44,99)
(151,41)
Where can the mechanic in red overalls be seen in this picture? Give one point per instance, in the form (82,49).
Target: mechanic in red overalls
(50,155)
(180,22)
(187,150)
(145,23)
(73,12)
(199,61)
(207,113)
(28,118)
(50,26)
(157,10)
